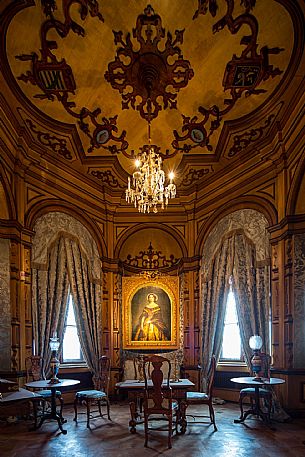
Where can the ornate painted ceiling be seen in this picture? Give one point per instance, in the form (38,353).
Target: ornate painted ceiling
(89,75)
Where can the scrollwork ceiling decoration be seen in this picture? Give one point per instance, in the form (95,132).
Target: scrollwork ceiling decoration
(148,71)
(55,78)
(242,75)
(148,76)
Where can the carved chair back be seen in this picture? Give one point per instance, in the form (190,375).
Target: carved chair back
(157,397)
(34,368)
(104,376)
(211,377)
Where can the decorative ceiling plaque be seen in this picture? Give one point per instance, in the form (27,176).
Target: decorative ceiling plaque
(147,75)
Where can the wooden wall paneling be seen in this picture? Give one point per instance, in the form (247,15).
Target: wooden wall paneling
(288,304)
(15,304)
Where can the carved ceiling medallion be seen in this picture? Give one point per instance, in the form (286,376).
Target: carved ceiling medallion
(148,75)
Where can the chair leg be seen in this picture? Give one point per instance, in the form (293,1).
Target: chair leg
(241,407)
(170,431)
(99,407)
(108,409)
(75,409)
(88,412)
(269,407)
(212,416)
(146,430)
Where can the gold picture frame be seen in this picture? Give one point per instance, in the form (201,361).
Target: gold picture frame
(150,312)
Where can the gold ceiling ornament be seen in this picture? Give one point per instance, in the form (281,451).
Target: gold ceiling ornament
(147,189)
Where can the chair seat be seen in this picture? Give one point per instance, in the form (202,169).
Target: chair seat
(251,391)
(90,394)
(196,396)
(47,393)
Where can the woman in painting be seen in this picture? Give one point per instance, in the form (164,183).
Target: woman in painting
(151,326)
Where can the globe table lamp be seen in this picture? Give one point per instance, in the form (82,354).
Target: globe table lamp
(256,343)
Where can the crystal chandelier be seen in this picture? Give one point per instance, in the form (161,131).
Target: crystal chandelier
(147,189)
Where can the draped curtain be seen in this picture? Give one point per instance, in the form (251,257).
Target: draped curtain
(87,299)
(67,267)
(50,287)
(251,288)
(234,258)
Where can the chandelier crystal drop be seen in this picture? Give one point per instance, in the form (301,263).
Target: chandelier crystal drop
(147,190)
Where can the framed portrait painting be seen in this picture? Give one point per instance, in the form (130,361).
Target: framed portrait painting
(150,312)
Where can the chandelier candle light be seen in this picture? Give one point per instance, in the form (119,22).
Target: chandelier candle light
(147,189)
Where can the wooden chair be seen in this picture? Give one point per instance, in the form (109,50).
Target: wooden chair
(205,398)
(98,397)
(158,403)
(35,372)
(264,393)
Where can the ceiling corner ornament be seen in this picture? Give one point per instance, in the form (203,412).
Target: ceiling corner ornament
(55,78)
(58,145)
(242,141)
(147,70)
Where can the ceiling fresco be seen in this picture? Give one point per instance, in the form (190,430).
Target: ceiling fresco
(188,68)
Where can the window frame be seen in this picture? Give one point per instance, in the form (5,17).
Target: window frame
(70,363)
(232,361)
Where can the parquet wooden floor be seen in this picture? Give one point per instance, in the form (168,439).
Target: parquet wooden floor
(114,439)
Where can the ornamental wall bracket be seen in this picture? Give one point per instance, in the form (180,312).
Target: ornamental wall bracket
(150,259)
(148,72)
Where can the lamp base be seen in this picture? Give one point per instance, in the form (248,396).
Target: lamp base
(257,378)
(54,381)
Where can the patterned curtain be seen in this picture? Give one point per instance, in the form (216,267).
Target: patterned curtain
(87,295)
(50,290)
(251,288)
(235,257)
(215,289)
(67,267)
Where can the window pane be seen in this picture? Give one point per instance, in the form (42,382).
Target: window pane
(70,315)
(71,346)
(71,350)
(231,344)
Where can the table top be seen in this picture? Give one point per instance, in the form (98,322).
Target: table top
(135,384)
(263,381)
(21,394)
(45,383)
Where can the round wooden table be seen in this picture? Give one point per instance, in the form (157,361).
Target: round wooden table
(45,384)
(256,383)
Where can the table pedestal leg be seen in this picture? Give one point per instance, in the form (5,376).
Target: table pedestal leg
(53,414)
(254,410)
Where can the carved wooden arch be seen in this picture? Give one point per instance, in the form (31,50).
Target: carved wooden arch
(11,206)
(145,226)
(48,206)
(248,202)
(294,190)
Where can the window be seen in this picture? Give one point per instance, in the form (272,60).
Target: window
(231,343)
(71,349)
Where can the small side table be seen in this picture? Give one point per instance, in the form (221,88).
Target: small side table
(252,382)
(45,384)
